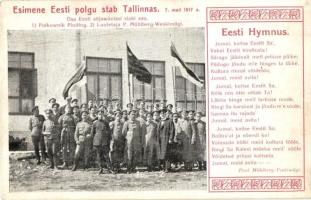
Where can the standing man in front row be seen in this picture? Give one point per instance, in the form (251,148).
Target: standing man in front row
(50,132)
(67,124)
(35,126)
(82,135)
(101,142)
(132,132)
(166,136)
(117,142)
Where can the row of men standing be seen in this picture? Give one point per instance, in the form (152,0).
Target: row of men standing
(154,138)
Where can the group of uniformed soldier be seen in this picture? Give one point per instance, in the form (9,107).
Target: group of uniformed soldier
(106,136)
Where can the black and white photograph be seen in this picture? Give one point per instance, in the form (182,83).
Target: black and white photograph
(107,110)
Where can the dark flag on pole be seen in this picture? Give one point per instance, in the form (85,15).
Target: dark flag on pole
(77,78)
(137,68)
(185,71)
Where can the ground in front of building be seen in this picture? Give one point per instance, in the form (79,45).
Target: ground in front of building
(25,175)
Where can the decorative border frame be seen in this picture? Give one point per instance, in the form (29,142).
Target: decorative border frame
(250,15)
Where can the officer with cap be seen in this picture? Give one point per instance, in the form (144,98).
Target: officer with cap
(55,111)
(81,136)
(117,142)
(129,106)
(170,107)
(166,137)
(132,132)
(163,104)
(67,126)
(51,134)
(35,126)
(101,141)
(74,102)
(68,103)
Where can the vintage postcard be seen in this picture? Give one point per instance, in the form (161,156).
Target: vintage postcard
(155,99)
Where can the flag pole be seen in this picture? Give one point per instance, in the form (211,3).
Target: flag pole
(129,82)
(174,85)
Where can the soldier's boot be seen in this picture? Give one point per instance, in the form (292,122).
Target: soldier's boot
(187,166)
(190,166)
(75,164)
(51,163)
(167,166)
(204,165)
(55,162)
(200,165)
(65,165)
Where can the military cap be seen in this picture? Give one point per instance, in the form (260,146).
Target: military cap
(129,104)
(75,107)
(131,111)
(48,111)
(117,111)
(52,99)
(84,111)
(34,108)
(55,104)
(200,113)
(169,105)
(69,97)
(74,100)
(155,111)
(102,107)
(191,111)
(101,111)
(163,110)
(84,104)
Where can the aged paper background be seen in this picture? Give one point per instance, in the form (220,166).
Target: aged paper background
(10,21)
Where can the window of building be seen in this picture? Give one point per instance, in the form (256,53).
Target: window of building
(154,92)
(188,95)
(104,78)
(22,81)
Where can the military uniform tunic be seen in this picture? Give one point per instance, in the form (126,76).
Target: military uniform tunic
(187,136)
(117,142)
(132,132)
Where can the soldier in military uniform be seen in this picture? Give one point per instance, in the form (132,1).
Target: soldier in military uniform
(166,137)
(124,116)
(151,151)
(177,145)
(51,134)
(76,114)
(142,120)
(84,107)
(129,107)
(188,139)
(35,126)
(67,124)
(93,114)
(149,108)
(132,132)
(101,141)
(117,142)
(68,103)
(201,141)
(74,102)
(82,135)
